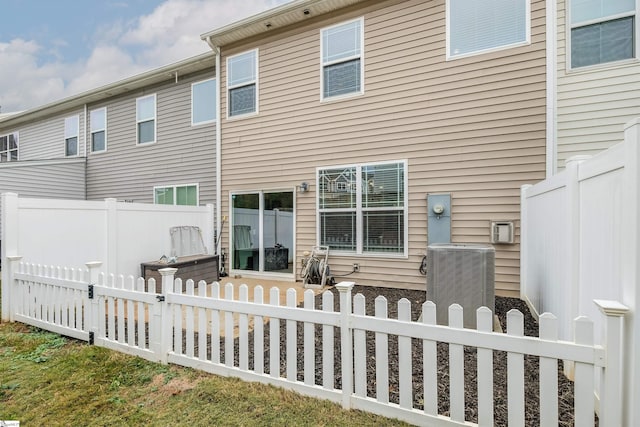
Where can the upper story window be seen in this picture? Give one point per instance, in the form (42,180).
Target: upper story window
(342,64)
(203,102)
(362,208)
(184,195)
(71,132)
(481,26)
(98,119)
(146,119)
(602,31)
(242,82)
(9,147)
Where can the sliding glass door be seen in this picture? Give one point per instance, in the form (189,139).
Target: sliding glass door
(262,231)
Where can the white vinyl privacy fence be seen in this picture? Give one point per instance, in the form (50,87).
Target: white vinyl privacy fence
(321,349)
(580,241)
(68,232)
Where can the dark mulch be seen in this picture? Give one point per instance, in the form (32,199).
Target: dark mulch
(502,306)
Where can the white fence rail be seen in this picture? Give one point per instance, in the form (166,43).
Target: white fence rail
(322,350)
(580,241)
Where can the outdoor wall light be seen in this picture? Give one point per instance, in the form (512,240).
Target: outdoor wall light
(304,187)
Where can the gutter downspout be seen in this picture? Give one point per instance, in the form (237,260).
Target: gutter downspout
(84,134)
(218,216)
(85,143)
(551,76)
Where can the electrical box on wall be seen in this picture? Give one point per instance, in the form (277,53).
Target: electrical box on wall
(502,232)
(438,218)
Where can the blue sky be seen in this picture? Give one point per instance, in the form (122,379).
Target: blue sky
(51,49)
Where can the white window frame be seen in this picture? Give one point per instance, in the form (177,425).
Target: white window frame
(155,120)
(525,42)
(351,58)
(570,26)
(215,99)
(8,151)
(96,130)
(72,133)
(255,82)
(359,211)
(175,192)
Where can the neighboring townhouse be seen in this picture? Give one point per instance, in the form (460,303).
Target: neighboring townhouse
(596,86)
(339,117)
(149,138)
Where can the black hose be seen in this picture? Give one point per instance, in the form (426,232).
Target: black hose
(423,266)
(344,275)
(313,270)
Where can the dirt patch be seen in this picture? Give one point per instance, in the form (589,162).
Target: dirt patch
(165,388)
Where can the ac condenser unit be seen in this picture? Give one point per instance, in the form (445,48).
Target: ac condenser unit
(460,274)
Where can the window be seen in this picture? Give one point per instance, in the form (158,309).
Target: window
(9,147)
(362,208)
(146,119)
(242,80)
(342,65)
(184,195)
(203,102)
(71,131)
(602,31)
(478,26)
(98,120)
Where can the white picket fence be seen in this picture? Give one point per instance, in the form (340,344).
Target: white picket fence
(202,329)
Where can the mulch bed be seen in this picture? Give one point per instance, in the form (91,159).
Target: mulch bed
(502,306)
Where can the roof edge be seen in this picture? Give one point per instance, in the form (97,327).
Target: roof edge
(83,97)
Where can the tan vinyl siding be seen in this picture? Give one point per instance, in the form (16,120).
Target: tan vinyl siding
(594,103)
(474,127)
(182,153)
(44,140)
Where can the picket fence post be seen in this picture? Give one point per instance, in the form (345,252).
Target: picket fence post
(162,328)
(611,388)
(92,320)
(9,290)
(346,350)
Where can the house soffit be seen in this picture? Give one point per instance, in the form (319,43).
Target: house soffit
(280,17)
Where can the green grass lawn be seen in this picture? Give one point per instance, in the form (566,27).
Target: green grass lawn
(46,379)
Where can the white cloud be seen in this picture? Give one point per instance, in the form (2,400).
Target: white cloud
(120,49)
(24,82)
(106,64)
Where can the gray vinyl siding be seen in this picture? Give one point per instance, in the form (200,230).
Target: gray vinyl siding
(182,153)
(44,140)
(58,179)
(474,127)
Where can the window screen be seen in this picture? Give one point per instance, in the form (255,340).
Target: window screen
(146,117)
(241,81)
(362,208)
(71,131)
(600,32)
(475,26)
(203,102)
(98,119)
(342,59)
